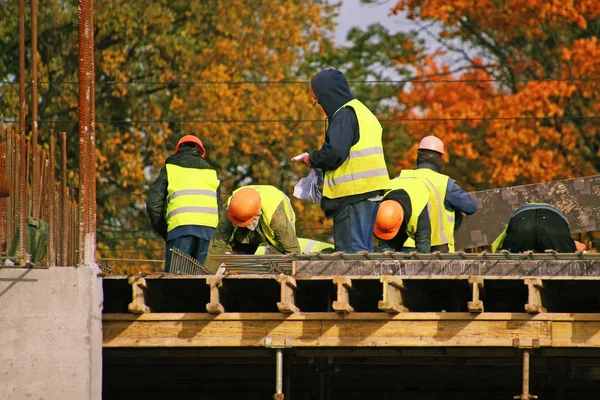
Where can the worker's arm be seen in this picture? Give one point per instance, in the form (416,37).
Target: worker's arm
(459,200)
(285,232)
(423,233)
(342,134)
(156,203)
(219,244)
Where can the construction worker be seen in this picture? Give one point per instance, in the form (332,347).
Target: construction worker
(352,161)
(306,246)
(537,227)
(182,201)
(254,214)
(403,214)
(447,201)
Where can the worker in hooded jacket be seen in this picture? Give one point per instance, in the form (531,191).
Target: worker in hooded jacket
(355,173)
(447,201)
(182,201)
(254,215)
(403,215)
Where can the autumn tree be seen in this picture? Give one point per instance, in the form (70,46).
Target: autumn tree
(525,107)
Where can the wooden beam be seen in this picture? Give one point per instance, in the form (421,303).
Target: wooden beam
(534,301)
(216,287)
(287,304)
(354,330)
(393,301)
(476,283)
(342,304)
(138,290)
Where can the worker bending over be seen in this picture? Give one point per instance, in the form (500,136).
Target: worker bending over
(446,199)
(537,227)
(254,215)
(403,214)
(306,246)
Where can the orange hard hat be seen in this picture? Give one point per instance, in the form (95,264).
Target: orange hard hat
(244,206)
(432,143)
(389,219)
(191,139)
(579,246)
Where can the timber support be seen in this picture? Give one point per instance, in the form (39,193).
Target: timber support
(476,305)
(287,304)
(393,301)
(138,289)
(534,303)
(216,288)
(342,304)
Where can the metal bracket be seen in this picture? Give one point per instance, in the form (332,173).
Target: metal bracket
(287,343)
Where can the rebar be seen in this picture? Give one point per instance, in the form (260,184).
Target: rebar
(51,205)
(23,202)
(83,129)
(35,198)
(22,108)
(184,264)
(3,174)
(64,256)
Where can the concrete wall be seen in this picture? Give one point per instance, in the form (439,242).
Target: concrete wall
(50,334)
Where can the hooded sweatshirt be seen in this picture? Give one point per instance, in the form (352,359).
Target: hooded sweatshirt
(332,91)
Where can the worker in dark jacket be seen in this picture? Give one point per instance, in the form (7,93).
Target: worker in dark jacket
(352,161)
(254,214)
(537,227)
(182,201)
(447,200)
(402,215)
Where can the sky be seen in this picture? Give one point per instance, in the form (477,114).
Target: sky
(353,13)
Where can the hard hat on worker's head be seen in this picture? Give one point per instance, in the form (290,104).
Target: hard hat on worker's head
(432,143)
(579,246)
(244,206)
(389,219)
(191,139)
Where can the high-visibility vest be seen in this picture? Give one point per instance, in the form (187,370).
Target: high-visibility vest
(191,197)
(419,197)
(270,199)
(364,170)
(306,246)
(442,220)
(497,244)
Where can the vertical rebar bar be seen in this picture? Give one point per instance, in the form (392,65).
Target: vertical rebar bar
(13,210)
(22,108)
(279,374)
(3,173)
(51,204)
(83,128)
(64,203)
(92,134)
(35,200)
(23,202)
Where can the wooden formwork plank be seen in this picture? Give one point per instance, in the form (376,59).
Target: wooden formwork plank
(138,290)
(216,285)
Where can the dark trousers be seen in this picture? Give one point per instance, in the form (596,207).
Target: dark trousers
(538,230)
(191,245)
(353,227)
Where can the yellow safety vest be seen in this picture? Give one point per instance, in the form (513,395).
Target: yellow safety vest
(306,246)
(191,197)
(364,170)
(442,220)
(419,197)
(270,198)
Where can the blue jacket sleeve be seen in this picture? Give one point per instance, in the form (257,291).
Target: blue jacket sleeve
(342,134)
(459,200)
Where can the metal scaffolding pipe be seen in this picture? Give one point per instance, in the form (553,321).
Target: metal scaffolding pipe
(525,389)
(278,374)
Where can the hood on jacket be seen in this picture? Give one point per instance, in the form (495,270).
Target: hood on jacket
(332,90)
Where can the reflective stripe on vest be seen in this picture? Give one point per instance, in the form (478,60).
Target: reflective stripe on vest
(191,197)
(419,197)
(270,199)
(364,170)
(442,220)
(306,246)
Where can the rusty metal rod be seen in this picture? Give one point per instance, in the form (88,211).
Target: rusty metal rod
(64,203)
(51,204)
(35,198)
(23,201)
(22,105)
(3,173)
